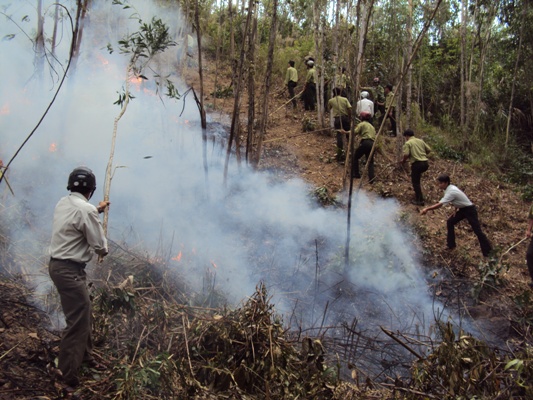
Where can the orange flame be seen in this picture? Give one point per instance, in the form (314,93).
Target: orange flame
(5,109)
(213,264)
(102,59)
(52,148)
(178,257)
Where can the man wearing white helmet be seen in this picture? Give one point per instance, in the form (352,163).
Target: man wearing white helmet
(365,105)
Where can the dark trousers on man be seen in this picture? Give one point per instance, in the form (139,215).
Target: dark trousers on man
(392,124)
(470,213)
(364,149)
(76,344)
(344,124)
(291,85)
(417,169)
(529,259)
(309,96)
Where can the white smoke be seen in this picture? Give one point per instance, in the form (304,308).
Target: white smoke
(252,229)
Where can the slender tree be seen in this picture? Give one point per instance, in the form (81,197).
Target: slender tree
(270,62)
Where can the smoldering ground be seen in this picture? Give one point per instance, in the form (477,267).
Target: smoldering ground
(248,230)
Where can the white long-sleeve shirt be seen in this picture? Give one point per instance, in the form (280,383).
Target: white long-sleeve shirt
(365,105)
(76,230)
(456,197)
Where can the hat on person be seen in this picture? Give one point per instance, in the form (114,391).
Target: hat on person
(310,63)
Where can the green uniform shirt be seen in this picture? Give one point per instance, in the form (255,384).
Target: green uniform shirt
(311,75)
(389,101)
(340,106)
(416,149)
(365,130)
(379,94)
(292,75)
(342,81)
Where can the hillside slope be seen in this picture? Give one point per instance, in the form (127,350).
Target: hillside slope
(290,152)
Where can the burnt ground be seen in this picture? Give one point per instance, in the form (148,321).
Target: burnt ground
(467,283)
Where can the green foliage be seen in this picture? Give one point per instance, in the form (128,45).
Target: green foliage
(323,196)
(524,305)
(142,46)
(462,367)
(308,125)
(491,274)
(223,93)
(444,150)
(143,377)
(122,97)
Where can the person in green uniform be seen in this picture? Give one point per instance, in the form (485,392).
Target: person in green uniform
(390,105)
(309,94)
(529,253)
(378,96)
(368,134)
(416,150)
(291,80)
(342,115)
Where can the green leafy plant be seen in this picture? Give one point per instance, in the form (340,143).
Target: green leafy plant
(490,275)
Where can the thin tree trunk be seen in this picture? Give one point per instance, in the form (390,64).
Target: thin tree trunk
(54,32)
(39,41)
(220,43)
(270,62)
(232,46)
(251,87)
(237,96)
(109,169)
(462,70)
(319,63)
(200,71)
(515,74)
(408,98)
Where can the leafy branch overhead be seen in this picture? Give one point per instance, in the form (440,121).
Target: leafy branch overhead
(143,45)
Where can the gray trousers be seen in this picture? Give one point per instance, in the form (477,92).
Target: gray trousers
(76,344)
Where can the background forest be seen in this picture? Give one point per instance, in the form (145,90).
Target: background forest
(460,70)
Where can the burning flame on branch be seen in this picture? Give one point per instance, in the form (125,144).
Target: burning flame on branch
(52,148)
(177,258)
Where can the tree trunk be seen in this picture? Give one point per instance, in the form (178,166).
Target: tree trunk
(237,95)
(270,62)
(39,41)
(319,63)
(462,71)
(251,88)
(515,74)
(200,72)
(409,86)
(54,33)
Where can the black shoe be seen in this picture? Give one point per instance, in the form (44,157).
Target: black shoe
(417,203)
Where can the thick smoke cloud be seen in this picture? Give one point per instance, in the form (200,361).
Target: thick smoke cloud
(250,230)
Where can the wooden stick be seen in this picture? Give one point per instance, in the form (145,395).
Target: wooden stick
(2,174)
